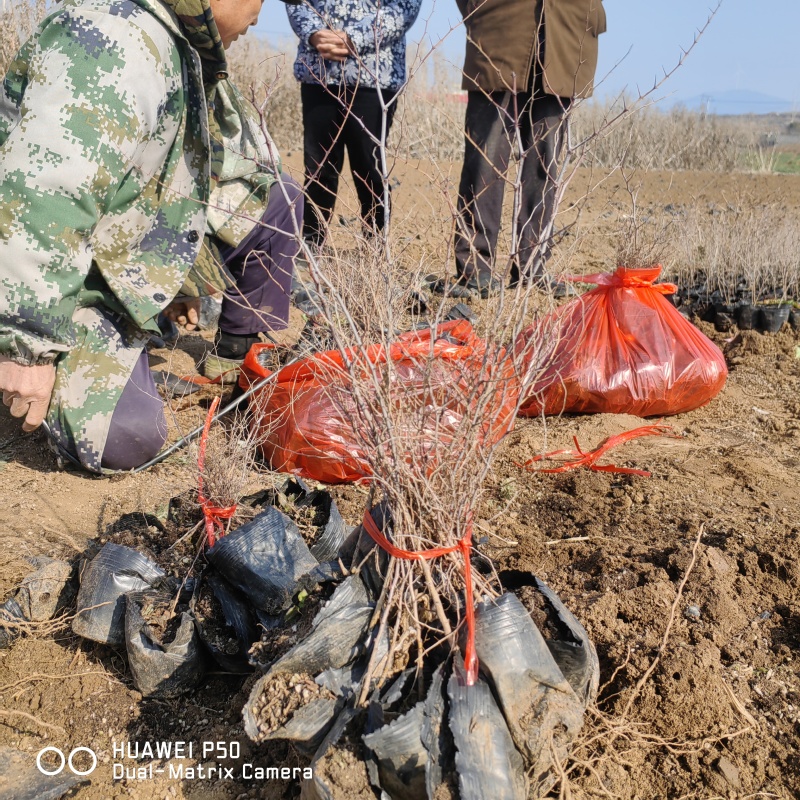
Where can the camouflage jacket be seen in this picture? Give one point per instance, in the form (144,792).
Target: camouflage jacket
(111,174)
(116,186)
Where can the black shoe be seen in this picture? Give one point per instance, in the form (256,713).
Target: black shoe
(543,283)
(482,286)
(224,361)
(451,288)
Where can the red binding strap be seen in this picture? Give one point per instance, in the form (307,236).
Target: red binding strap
(212,513)
(464,545)
(577,458)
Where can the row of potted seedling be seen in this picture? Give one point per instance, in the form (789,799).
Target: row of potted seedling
(767,316)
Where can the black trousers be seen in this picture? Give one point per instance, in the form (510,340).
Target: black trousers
(493,121)
(335,118)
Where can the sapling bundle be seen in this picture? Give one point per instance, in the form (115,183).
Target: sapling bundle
(406,643)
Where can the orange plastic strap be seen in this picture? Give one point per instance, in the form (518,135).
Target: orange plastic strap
(213,514)
(625,277)
(581,459)
(464,545)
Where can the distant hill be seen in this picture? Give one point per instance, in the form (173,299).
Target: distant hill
(737,101)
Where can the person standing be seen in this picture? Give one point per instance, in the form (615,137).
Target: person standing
(526,60)
(351,62)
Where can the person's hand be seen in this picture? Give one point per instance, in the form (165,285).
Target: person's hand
(331,45)
(185,311)
(27,390)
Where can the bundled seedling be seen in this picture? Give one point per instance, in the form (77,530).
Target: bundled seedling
(415,400)
(641,241)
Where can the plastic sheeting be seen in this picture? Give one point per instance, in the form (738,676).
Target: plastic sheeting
(621,348)
(307,415)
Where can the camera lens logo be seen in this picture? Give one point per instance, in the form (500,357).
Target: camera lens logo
(53,765)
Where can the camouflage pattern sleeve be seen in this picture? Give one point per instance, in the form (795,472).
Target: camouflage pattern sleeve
(76,118)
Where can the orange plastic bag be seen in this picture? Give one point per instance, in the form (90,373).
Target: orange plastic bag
(621,348)
(305,416)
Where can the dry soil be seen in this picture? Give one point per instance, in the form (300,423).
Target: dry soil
(718,715)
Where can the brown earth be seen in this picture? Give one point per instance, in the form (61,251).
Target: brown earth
(719,713)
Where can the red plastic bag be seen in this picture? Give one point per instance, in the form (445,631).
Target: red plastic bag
(304,417)
(621,348)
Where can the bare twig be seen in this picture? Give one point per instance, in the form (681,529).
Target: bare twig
(673,612)
(10,712)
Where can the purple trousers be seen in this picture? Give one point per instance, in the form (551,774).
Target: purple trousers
(262,267)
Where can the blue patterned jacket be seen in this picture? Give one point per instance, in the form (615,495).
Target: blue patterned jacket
(377,29)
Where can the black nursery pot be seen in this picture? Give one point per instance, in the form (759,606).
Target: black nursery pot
(706,311)
(724,308)
(773,317)
(163,663)
(264,559)
(723,322)
(230,654)
(112,573)
(794,319)
(747,317)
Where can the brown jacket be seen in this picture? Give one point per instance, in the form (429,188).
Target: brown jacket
(503,44)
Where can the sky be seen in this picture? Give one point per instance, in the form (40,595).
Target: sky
(748,46)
